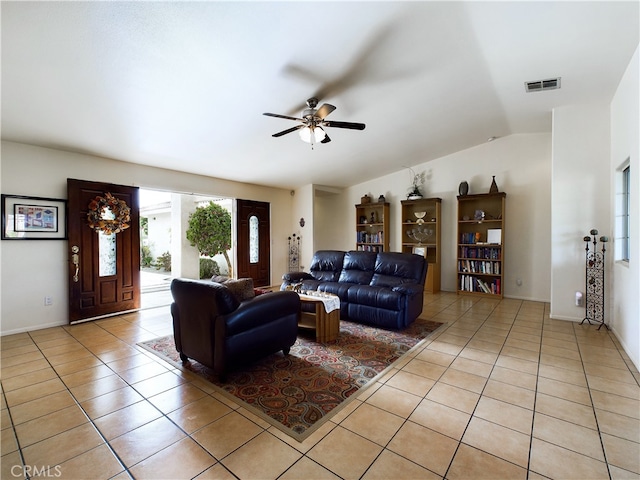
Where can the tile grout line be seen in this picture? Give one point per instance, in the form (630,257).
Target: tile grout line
(77,403)
(535,396)
(163,415)
(547,326)
(593,408)
(219,461)
(90,420)
(15,433)
(405,420)
(483,389)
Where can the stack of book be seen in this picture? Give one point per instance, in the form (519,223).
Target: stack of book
(470,283)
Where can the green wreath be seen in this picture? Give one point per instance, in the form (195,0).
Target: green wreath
(108,214)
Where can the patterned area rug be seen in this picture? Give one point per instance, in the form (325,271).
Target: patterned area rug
(299,392)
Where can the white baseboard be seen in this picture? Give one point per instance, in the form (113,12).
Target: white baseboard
(32,328)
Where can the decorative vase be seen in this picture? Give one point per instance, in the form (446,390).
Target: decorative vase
(463,188)
(381,199)
(494,186)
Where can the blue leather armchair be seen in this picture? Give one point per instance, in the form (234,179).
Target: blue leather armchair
(212,327)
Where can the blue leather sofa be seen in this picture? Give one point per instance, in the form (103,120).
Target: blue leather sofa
(382,289)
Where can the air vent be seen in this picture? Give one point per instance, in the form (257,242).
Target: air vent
(540,85)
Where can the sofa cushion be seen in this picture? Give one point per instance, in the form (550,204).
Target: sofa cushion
(358,267)
(376,297)
(388,281)
(241,288)
(219,278)
(335,288)
(326,265)
(375,316)
(394,268)
(312,285)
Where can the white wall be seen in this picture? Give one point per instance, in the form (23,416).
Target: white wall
(159,233)
(31,270)
(331,215)
(303,208)
(185,258)
(522,166)
(580,198)
(625,144)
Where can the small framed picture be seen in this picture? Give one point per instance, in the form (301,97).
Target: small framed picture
(33,218)
(494,236)
(422,251)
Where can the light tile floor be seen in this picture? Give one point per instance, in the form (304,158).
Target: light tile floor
(501,392)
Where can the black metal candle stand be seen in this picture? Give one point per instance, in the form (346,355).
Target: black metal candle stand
(294,253)
(594,286)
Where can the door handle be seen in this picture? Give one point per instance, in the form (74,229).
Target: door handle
(75,259)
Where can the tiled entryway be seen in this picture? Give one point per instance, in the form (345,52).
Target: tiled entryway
(501,392)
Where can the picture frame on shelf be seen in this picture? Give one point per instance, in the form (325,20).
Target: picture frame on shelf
(422,251)
(494,236)
(33,218)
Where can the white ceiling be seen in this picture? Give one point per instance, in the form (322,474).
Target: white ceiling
(183,85)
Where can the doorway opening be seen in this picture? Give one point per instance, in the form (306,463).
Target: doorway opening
(165,252)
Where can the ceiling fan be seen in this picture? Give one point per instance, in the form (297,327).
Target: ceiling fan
(311,129)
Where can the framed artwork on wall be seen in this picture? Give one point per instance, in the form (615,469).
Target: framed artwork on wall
(33,218)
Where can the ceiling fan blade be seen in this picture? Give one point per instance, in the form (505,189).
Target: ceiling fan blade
(288,130)
(326,139)
(361,70)
(325,110)
(350,125)
(283,116)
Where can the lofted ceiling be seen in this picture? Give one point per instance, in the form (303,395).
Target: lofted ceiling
(183,85)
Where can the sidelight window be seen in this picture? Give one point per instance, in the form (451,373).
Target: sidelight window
(254,250)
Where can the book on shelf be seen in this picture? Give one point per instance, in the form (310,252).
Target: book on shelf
(489,252)
(364,237)
(471,283)
(494,237)
(479,266)
(369,248)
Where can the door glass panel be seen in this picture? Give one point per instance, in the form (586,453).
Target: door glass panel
(107,256)
(253,239)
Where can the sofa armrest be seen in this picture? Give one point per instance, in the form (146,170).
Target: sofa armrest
(296,277)
(408,288)
(260,310)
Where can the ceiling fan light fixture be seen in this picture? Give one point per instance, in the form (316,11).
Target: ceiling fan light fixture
(312,122)
(307,133)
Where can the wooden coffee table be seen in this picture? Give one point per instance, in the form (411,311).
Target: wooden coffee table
(326,325)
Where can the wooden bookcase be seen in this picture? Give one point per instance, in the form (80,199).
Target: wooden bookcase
(480,261)
(429,246)
(372,227)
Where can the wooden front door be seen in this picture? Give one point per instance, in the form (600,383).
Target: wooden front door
(104,269)
(254,241)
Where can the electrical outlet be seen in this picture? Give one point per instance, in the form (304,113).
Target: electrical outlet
(48,301)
